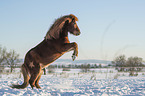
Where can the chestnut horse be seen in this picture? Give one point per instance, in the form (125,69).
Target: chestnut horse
(54,45)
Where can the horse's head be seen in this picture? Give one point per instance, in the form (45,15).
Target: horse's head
(72,27)
(67,22)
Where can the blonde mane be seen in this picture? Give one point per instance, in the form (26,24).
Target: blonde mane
(55,29)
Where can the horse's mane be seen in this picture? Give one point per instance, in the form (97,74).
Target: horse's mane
(55,29)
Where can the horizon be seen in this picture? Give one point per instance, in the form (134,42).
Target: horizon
(108,28)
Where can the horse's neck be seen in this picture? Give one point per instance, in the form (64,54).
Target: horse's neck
(64,36)
(66,40)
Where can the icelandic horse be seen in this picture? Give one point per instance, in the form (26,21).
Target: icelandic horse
(54,45)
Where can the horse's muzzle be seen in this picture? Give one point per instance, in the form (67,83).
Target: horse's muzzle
(78,33)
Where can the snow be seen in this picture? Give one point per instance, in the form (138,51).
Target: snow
(76,84)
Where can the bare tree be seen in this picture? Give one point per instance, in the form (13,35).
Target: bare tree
(134,63)
(2,58)
(12,59)
(2,54)
(120,61)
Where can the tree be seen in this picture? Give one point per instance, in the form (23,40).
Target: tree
(131,63)
(2,55)
(95,66)
(11,59)
(2,58)
(85,67)
(8,58)
(134,62)
(100,65)
(120,61)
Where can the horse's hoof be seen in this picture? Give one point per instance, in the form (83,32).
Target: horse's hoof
(38,87)
(73,57)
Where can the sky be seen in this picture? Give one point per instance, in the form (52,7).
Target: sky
(108,28)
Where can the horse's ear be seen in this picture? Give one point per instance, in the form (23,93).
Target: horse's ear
(73,20)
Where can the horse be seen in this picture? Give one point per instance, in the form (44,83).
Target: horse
(54,45)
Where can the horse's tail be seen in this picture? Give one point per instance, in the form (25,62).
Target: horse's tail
(26,78)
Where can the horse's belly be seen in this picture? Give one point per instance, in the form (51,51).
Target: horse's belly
(48,60)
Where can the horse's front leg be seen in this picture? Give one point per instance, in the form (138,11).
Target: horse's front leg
(75,53)
(70,47)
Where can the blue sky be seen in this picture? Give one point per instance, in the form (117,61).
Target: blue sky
(109,27)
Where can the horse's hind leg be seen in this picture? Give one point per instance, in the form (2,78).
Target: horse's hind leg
(35,72)
(33,78)
(37,81)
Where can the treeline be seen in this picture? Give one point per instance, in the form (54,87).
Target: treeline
(78,66)
(128,64)
(83,67)
(8,58)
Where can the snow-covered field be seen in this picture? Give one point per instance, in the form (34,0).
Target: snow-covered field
(76,84)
